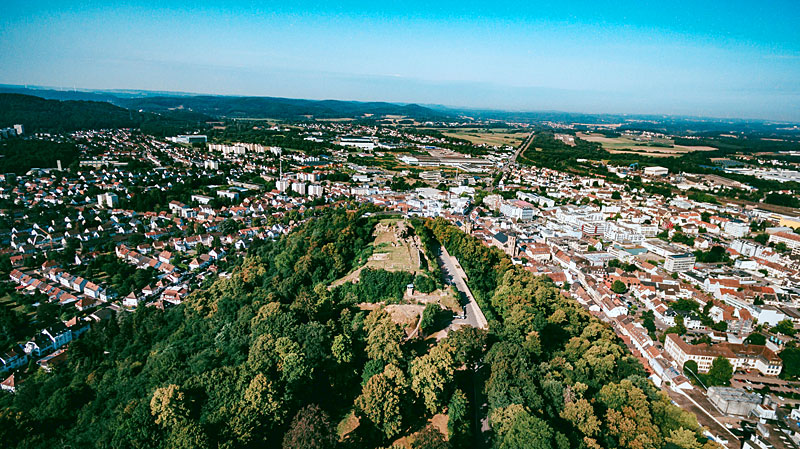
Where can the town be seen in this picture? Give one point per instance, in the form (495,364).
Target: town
(704,292)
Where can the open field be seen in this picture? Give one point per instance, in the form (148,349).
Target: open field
(492,137)
(629,146)
(391,252)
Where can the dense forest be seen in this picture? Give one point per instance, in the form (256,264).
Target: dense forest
(272,357)
(54,116)
(21,155)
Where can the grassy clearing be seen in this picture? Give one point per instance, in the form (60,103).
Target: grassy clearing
(625,145)
(388,252)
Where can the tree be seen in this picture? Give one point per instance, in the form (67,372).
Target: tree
(469,343)
(381,400)
(342,349)
(428,320)
(721,372)
(429,438)
(618,287)
(581,414)
(525,431)
(616,195)
(457,419)
(168,406)
(431,375)
(791,362)
(310,429)
(690,369)
(679,328)
(785,327)
(383,337)
(756,339)
(761,238)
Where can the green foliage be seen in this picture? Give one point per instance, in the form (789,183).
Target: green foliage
(431,375)
(785,327)
(382,400)
(679,328)
(791,362)
(40,115)
(714,255)
(691,369)
(553,362)
(21,155)
(424,283)
(619,287)
(240,363)
(720,373)
(457,415)
(680,237)
(756,339)
(761,238)
(685,305)
(379,285)
(434,318)
(782,199)
(429,438)
(228,368)
(310,429)
(616,263)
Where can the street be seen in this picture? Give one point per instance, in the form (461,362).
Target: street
(456,276)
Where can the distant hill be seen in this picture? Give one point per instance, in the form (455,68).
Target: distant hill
(191,106)
(278,108)
(41,115)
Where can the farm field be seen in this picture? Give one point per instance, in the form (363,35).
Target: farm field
(481,136)
(626,145)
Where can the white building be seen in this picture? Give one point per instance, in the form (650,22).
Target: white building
(736,228)
(518,210)
(107,199)
(679,262)
(299,187)
(315,190)
(656,171)
(282,185)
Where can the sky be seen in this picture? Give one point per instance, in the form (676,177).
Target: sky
(711,58)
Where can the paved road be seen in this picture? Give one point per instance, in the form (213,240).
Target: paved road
(510,163)
(455,275)
(525,144)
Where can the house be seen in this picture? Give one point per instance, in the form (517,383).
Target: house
(85,303)
(164,257)
(59,334)
(131,300)
(13,359)
(10,384)
(49,362)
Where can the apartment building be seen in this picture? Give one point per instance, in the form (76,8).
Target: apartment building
(741,356)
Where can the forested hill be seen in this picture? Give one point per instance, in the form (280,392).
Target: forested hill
(200,108)
(278,108)
(41,115)
(274,358)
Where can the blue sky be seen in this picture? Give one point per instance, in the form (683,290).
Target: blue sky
(711,58)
